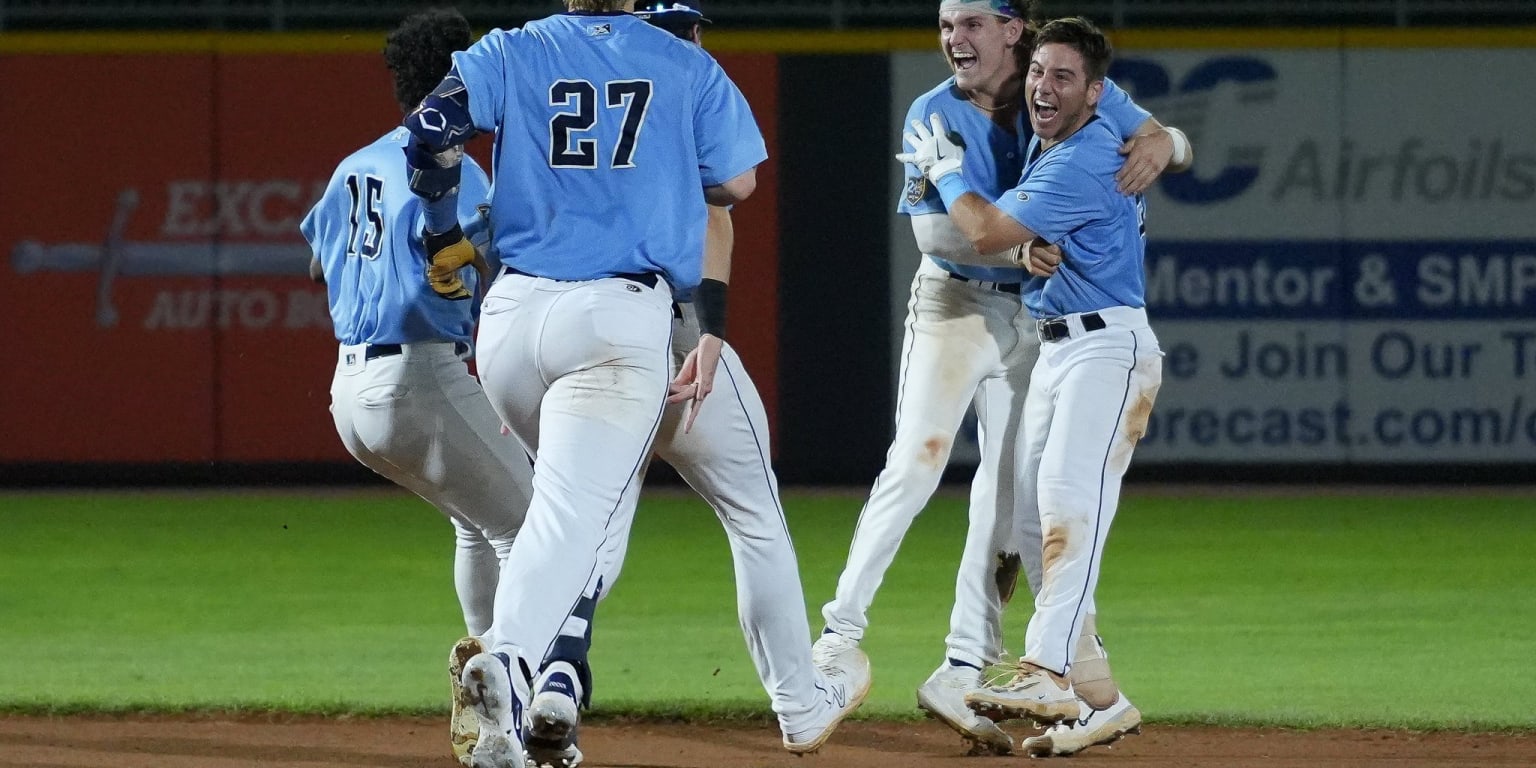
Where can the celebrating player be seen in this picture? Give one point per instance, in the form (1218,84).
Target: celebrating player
(611,136)
(721,449)
(1100,366)
(969,340)
(403,400)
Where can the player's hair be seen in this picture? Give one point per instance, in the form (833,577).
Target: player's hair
(1082,36)
(420,52)
(1029,11)
(594,5)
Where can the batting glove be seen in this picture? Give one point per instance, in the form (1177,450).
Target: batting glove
(937,152)
(448,253)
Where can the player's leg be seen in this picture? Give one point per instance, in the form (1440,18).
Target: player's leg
(946,349)
(990,562)
(579,372)
(1104,384)
(1106,714)
(727,459)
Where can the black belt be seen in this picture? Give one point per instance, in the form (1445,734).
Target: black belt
(1013,288)
(647,279)
(1056,328)
(376,351)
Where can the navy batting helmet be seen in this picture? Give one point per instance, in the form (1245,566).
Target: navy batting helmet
(671,16)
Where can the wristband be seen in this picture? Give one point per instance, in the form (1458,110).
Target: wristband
(1180,145)
(951,186)
(709,303)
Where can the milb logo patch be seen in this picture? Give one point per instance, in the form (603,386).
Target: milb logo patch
(917,189)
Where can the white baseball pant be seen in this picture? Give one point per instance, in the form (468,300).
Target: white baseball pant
(579,372)
(1089,400)
(964,343)
(726,458)
(419,419)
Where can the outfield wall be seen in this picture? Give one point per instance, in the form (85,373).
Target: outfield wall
(1347,278)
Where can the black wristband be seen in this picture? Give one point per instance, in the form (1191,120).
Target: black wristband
(709,302)
(439,241)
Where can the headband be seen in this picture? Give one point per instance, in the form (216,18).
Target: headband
(995,7)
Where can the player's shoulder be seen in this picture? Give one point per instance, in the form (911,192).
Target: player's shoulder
(377,152)
(942,98)
(1093,151)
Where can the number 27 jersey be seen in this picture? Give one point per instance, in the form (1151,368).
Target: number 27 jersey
(607,131)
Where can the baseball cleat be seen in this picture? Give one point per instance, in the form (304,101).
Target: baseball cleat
(463,726)
(554,719)
(943,698)
(843,678)
(497,695)
(1095,727)
(1033,693)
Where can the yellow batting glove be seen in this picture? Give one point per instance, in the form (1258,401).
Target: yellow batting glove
(448,253)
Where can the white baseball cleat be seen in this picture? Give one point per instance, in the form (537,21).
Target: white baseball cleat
(497,695)
(943,697)
(1033,693)
(1094,728)
(843,678)
(463,726)
(554,718)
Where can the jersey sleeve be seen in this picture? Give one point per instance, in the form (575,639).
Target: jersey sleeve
(482,68)
(729,142)
(918,196)
(1123,115)
(315,227)
(1055,200)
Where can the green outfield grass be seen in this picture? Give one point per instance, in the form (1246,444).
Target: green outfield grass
(1355,610)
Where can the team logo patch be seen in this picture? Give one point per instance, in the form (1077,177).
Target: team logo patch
(1023,197)
(917,189)
(351,358)
(598,30)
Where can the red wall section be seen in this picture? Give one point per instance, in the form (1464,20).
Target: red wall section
(200,337)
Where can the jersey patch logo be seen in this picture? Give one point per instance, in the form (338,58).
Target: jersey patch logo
(917,189)
(1023,197)
(598,30)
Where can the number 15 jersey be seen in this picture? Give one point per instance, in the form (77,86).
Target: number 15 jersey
(607,131)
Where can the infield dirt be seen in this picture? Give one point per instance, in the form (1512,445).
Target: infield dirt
(212,742)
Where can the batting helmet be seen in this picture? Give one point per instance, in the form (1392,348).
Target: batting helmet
(676,18)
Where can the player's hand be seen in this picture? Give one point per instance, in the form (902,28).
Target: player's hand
(936,152)
(1042,258)
(447,253)
(696,379)
(1145,158)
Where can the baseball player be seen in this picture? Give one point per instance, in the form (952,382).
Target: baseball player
(721,449)
(403,401)
(969,341)
(611,137)
(1099,367)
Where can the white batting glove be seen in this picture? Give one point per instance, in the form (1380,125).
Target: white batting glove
(934,152)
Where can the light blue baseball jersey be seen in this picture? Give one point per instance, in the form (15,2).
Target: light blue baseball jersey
(366,232)
(1069,197)
(994,156)
(607,131)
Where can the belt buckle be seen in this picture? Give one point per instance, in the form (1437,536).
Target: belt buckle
(1052,329)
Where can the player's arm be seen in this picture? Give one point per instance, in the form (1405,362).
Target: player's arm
(434,157)
(1152,150)
(937,235)
(696,378)
(733,191)
(316,271)
(987,228)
